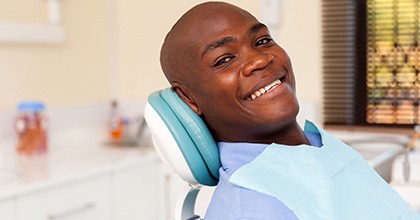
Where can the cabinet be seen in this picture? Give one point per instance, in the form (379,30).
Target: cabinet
(136,192)
(94,184)
(174,187)
(410,193)
(171,187)
(6,209)
(81,200)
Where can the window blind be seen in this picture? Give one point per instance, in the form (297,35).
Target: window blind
(371,61)
(339,23)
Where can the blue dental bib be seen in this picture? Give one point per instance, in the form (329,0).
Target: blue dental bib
(331,182)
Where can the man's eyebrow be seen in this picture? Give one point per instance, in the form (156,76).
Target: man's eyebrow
(255,28)
(217,44)
(210,47)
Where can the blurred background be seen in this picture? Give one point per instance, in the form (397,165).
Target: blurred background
(110,49)
(86,68)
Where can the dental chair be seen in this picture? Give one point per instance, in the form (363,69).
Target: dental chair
(185,145)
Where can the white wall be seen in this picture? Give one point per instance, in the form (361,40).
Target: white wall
(142,27)
(112,50)
(299,33)
(140,39)
(70,73)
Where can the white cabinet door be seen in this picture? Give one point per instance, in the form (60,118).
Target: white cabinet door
(89,199)
(6,209)
(136,192)
(173,191)
(172,188)
(411,194)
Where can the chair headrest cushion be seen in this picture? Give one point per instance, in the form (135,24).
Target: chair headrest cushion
(191,134)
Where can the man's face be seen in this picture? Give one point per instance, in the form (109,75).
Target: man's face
(242,81)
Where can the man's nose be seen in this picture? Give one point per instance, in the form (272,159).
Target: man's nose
(256,60)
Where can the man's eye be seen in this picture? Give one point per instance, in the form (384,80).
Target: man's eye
(223,61)
(264,41)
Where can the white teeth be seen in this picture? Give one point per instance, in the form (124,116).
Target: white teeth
(263,90)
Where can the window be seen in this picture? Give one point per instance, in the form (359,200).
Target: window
(371,62)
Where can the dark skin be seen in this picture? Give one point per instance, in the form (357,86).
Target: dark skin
(216,57)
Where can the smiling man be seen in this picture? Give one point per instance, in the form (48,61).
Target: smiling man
(224,64)
(229,70)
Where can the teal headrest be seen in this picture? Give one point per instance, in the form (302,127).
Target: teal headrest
(191,134)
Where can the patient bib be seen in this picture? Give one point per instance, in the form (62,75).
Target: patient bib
(331,182)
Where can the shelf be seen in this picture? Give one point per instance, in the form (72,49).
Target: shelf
(14,32)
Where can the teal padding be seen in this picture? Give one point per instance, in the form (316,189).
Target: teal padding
(192,154)
(197,129)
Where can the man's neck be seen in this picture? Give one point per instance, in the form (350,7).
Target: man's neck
(290,135)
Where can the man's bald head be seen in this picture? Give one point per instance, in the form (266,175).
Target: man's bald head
(224,64)
(177,59)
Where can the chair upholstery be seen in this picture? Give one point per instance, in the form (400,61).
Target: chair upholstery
(182,138)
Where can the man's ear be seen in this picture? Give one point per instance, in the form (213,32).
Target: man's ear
(187,98)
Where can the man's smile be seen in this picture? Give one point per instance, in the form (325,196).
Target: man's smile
(265,89)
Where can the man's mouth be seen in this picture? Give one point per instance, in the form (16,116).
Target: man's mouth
(265,89)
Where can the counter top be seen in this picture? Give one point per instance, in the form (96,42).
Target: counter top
(72,155)
(76,154)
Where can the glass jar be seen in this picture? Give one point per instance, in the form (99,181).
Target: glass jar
(31,128)
(116,123)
